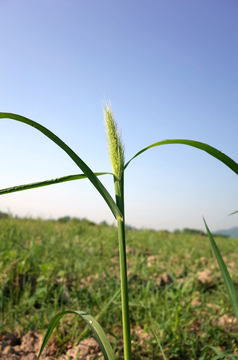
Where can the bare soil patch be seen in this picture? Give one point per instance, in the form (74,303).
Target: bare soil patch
(28,347)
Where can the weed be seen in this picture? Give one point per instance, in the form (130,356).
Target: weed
(116,153)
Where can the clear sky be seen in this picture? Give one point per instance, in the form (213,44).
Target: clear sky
(170,70)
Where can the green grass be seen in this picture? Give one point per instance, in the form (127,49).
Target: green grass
(50,266)
(172,299)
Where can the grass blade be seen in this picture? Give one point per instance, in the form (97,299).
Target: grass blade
(93,324)
(117,293)
(220,354)
(161,349)
(81,164)
(47,182)
(235,212)
(199,145)
(229,284)
(216,350)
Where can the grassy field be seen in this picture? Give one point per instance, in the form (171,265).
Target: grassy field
(176,291)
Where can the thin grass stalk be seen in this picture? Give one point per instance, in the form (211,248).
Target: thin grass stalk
(119,192)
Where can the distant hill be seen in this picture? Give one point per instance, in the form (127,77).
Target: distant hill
(232,232)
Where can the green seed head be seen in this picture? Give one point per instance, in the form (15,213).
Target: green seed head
(114,142)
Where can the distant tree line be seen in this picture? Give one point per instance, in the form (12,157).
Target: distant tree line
(197,232)
(4,215)
(66,219)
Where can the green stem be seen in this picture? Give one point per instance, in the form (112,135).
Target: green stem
(119,192)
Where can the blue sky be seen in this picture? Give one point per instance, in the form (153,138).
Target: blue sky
(170,70)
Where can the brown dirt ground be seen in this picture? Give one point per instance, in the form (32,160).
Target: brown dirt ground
(27,348)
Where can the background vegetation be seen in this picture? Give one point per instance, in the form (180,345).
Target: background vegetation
(176,290)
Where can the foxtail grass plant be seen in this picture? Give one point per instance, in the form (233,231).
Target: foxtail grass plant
(117,158)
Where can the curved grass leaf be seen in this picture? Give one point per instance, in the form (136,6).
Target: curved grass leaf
(48,182)
(228,282)
(93,324)
(235,212)
(81,164)
(220,354)
(199,145)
